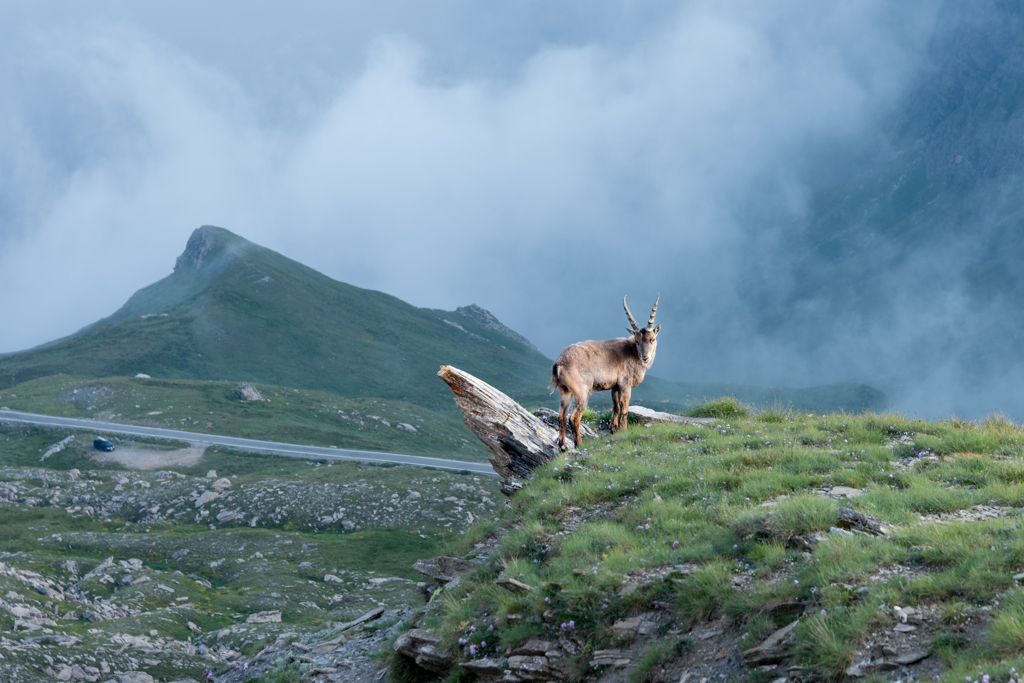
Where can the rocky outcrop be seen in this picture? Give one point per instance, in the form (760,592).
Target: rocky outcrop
(517,440)
(424,648)
(486,319)
(200,243)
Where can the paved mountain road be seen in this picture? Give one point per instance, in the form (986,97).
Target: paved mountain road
(249,445)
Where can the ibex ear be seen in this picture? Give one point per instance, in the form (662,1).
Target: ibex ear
(657,328)
(630,332)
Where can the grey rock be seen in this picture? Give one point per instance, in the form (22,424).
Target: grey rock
(442,569)
(535,646)
(911,657)
(206,498)
(772,650)
(136,677)
(488,666)
(423,648)
(264,618)
(247,392)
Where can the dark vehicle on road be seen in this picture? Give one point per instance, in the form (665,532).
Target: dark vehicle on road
(101,444)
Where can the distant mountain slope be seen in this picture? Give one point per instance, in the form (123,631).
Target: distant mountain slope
(233,310)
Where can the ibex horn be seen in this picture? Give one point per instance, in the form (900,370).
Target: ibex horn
(650,321)
(630,316)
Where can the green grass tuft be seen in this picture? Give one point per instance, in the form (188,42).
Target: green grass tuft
(723,408)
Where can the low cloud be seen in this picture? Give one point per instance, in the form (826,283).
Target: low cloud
(543,189)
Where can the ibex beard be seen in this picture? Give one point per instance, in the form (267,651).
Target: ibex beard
(615,364)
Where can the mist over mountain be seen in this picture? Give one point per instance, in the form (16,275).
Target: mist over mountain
(233,310)
(908,272)
(821,193)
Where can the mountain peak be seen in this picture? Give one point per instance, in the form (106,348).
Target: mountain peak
(204,242)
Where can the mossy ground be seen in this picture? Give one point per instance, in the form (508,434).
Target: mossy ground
(730,497)
(201,570)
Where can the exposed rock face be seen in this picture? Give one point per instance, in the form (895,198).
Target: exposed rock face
(485,318)
(247,392)
(517,440)
(199,245)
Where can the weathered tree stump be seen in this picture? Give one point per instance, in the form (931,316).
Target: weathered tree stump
(518,440)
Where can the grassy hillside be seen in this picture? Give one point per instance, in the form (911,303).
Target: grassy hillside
(681,396)
(315,418)
(234,311)
(890,544)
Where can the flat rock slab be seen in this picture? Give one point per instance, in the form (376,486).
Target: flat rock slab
(264,618)
(369,616)
(911,657)
(772,650)
(488,666)
(648,415)
(845,492)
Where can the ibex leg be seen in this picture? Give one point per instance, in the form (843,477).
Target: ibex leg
(578,408)
(620,408)
(564,398)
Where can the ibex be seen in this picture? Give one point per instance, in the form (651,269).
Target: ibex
(616,364)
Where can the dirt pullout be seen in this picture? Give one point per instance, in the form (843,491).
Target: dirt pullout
(141,458)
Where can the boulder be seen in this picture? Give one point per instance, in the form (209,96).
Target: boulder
(247,392)
(206,498)
(221,484)
(406,427)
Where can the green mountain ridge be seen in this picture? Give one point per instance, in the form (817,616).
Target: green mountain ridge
(235,311)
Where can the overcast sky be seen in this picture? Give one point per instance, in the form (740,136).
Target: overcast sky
(539,159)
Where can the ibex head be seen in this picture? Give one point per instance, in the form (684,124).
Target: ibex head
(646,339)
